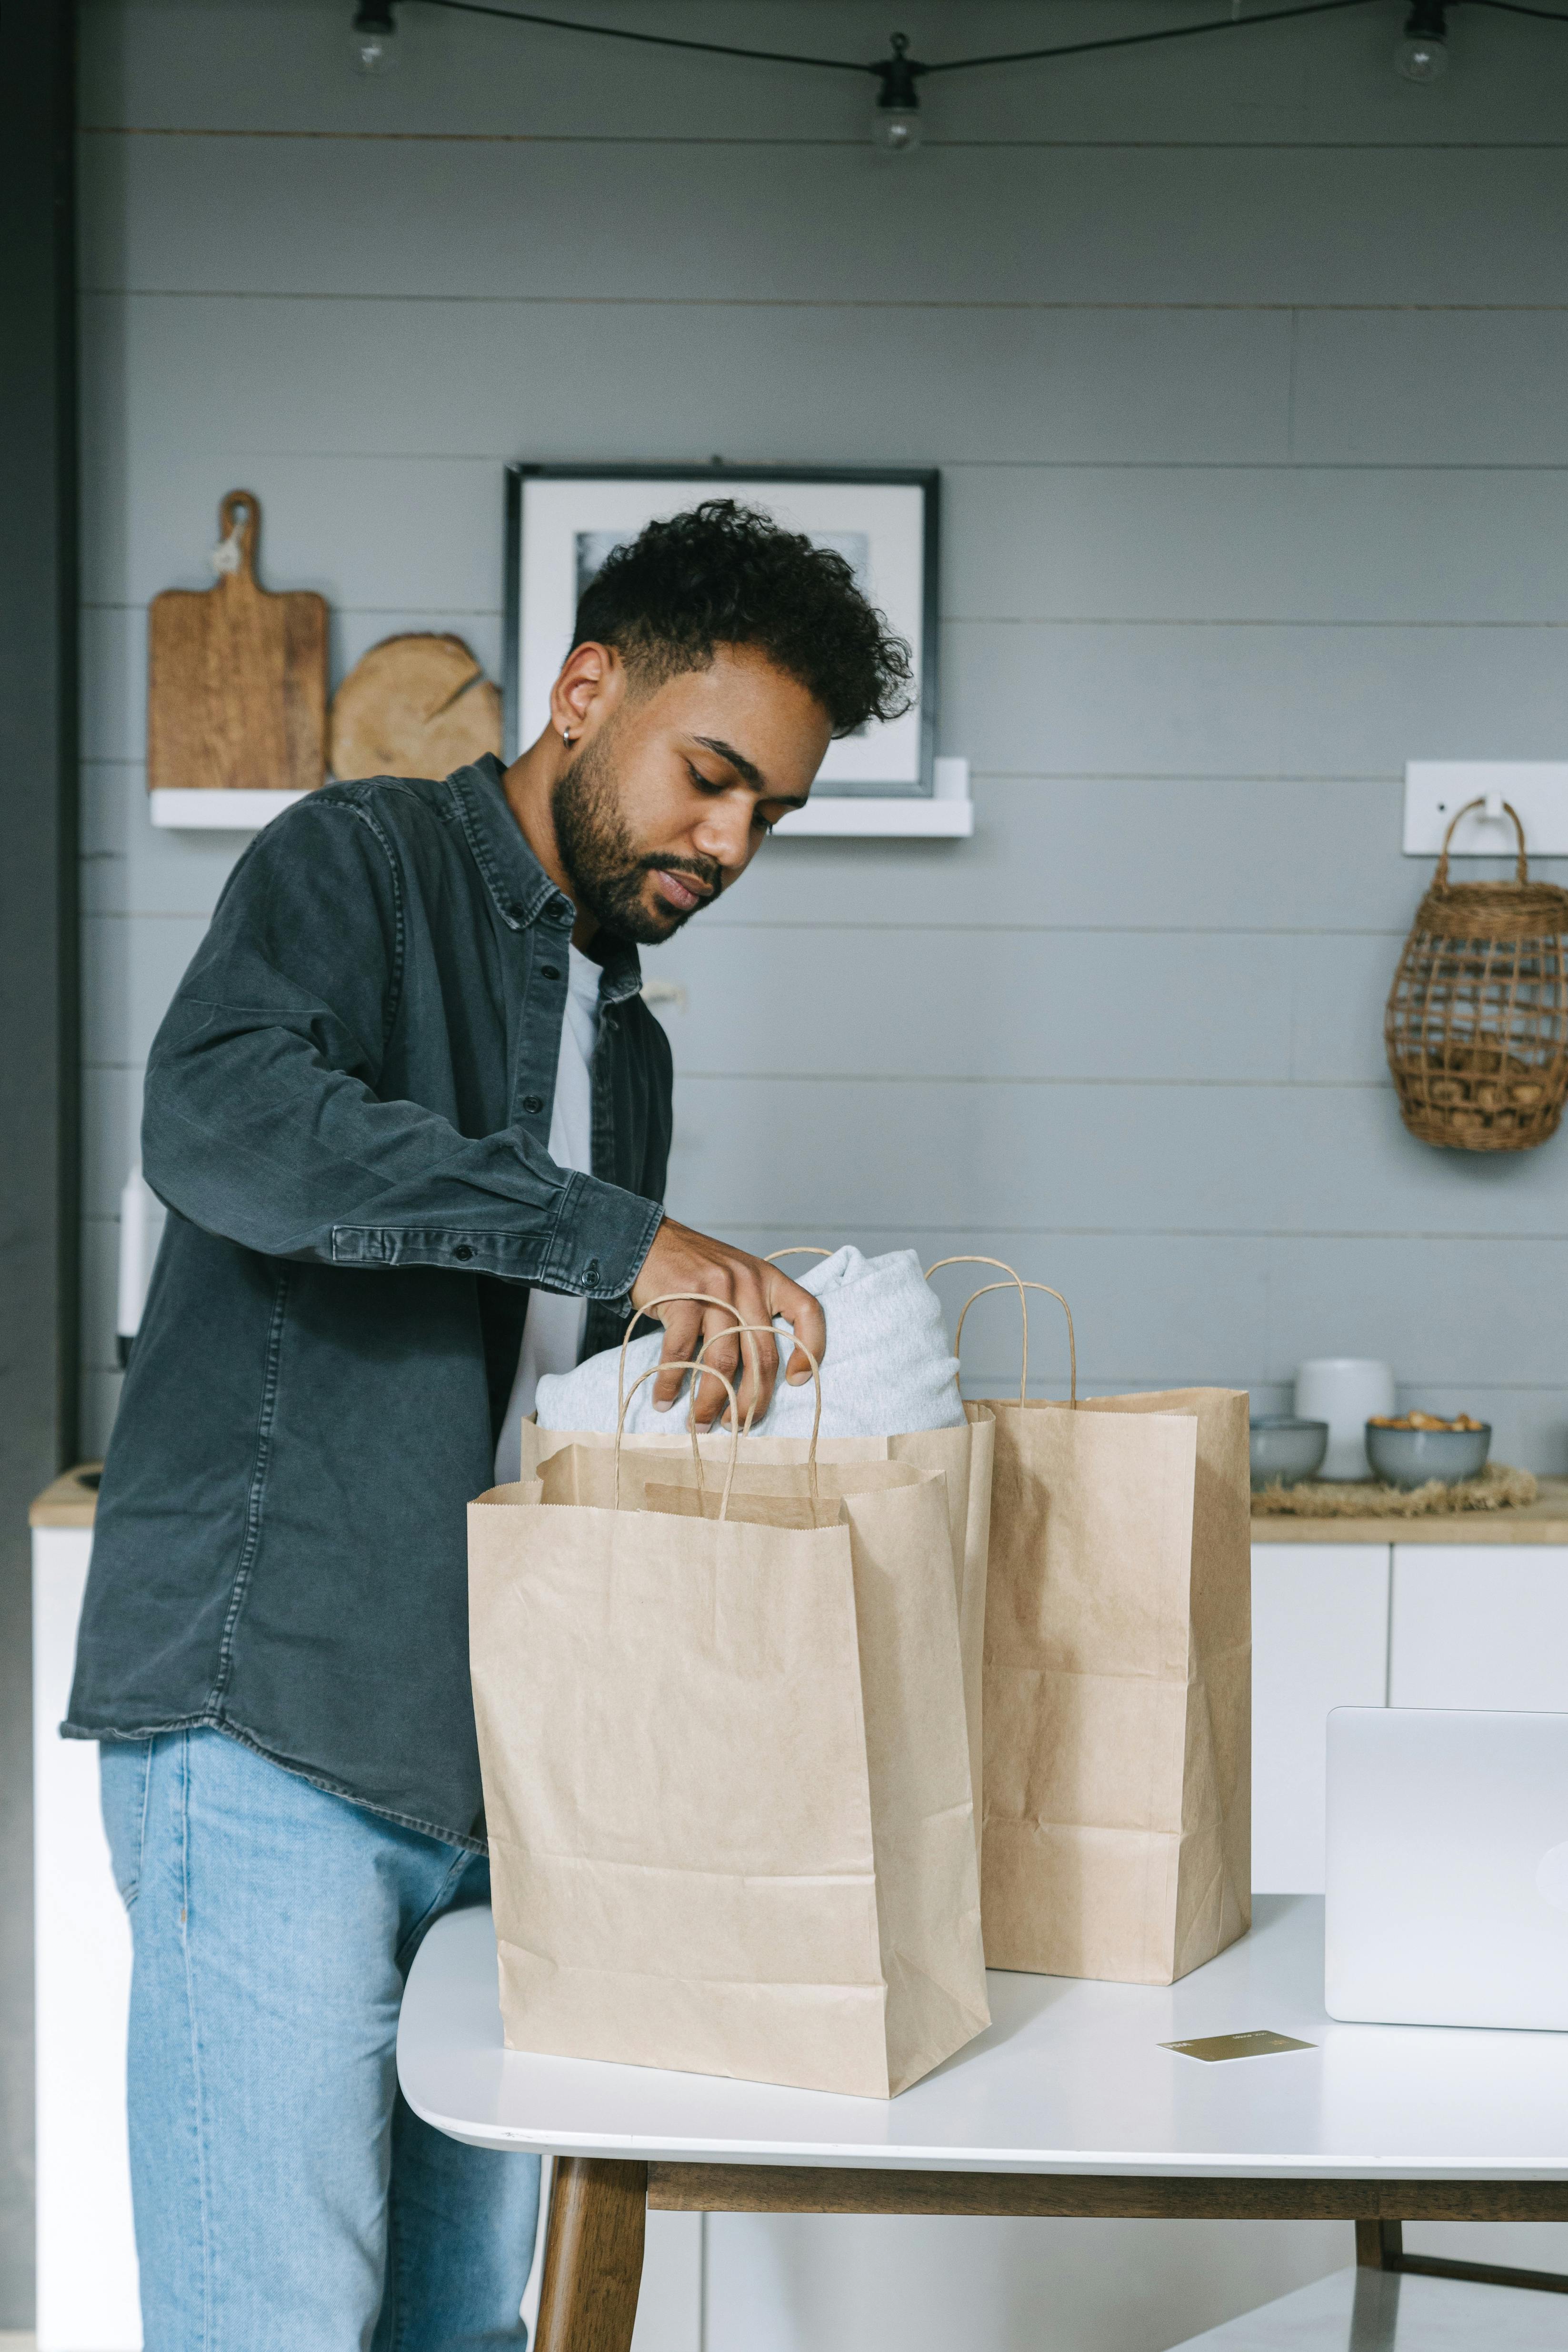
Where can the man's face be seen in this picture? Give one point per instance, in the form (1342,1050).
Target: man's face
(673,793)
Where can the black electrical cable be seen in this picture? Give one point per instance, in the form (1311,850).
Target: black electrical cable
(1162,33)
(653,40)
(954,65)
(947,65)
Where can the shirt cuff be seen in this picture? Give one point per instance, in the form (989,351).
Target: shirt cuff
(601,1238)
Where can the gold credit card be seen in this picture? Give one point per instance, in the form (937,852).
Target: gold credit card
(1259,2044)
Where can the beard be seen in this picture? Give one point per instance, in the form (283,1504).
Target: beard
(608,876)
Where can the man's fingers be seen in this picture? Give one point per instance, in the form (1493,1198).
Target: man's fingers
(800,1308)
(682,1327)
(721,1349)
(761,1355)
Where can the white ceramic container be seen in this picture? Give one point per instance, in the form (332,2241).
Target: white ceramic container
(1346,1391)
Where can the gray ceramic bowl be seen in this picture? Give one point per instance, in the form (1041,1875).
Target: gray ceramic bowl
(1409,1458)
(1286,1449)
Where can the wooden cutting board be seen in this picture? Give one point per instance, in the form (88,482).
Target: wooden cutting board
(237,678)
(414,705)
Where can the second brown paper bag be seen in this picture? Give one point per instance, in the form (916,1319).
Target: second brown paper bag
(726,1768)
(1118,1685)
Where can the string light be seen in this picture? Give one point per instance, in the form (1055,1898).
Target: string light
(1421,54)
(374,38)
(896,117)
(1421,57)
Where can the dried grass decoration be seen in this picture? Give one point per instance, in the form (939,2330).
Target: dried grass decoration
(1476,1026)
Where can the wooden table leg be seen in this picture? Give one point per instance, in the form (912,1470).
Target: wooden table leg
(1380,2245)
(593,2256)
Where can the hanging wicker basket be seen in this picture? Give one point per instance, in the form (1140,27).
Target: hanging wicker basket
(1476,1026)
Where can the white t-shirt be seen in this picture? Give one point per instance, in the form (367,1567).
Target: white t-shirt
(552,1335)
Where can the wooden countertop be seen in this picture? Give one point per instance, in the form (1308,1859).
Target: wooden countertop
(67,1502)
(1545,1521)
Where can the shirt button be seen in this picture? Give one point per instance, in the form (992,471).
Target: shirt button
(533,1102)
(463,1251)
(550,970)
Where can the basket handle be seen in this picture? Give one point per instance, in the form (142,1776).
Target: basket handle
(1441,880)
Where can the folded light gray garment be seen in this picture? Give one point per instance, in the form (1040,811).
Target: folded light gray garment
(888,1369)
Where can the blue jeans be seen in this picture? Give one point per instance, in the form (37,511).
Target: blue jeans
(287,2200)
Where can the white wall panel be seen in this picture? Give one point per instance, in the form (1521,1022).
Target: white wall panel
(1266,699)
(1109,1157)
(1257,543)
(1432,387)
(174,377)
(1174,222)
(132,867)
(1128,854)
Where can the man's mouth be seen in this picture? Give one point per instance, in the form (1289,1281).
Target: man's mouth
(682,894)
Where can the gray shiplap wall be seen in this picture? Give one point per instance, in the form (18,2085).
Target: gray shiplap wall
(1245,366)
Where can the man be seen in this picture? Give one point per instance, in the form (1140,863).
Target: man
(410,1117)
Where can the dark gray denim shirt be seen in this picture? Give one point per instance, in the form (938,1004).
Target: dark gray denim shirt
(347,1112)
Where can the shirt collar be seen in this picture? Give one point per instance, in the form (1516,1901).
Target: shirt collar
(522,891)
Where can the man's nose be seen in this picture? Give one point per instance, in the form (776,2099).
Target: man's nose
(724,830)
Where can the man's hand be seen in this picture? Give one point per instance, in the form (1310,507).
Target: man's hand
(752,1292)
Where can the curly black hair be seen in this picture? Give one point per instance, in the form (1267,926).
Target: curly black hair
(725,574)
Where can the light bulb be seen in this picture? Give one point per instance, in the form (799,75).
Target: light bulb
(896,128)
(896,117)
(1422,55)
(374,40)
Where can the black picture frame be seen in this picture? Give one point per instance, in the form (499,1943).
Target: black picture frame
(926,480)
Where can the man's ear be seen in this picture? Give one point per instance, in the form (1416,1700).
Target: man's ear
(591,683)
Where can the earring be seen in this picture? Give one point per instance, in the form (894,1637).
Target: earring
(566,734)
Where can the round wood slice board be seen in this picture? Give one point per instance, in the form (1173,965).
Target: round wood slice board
(413,706)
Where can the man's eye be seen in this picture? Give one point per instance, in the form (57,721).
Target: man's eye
(704,784)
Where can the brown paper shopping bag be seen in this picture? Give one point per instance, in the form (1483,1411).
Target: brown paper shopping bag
(962,1455)
(1118,1683)
(726,1774)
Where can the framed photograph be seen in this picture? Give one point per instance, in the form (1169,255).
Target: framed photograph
(561,522)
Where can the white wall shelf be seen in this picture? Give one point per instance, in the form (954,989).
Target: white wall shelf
(218,811)
(947,816)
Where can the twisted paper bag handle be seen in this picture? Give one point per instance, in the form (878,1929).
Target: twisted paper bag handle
(698,1369)
(689,1364)
(1013,1282)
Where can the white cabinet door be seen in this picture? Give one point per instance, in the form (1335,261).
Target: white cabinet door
(1319,1640)
(1480,1626)
(86,2251)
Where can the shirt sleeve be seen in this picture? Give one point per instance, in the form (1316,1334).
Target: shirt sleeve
(263,1121)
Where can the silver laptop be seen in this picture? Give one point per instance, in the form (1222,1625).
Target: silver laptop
(1447,1867)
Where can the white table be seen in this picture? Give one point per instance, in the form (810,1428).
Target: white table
(1068,2105)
